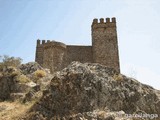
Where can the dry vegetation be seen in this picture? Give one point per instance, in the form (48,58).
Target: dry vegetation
(6,61)
(23,79)
(118,77)
(13,110)
(39,73)
(10,110)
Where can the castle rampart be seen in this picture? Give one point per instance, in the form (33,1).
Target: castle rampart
(78,53)
(104,50)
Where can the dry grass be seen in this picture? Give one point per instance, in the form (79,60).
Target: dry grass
(101,114)
(39,73)
(13,110)
(23,79)
(118,77)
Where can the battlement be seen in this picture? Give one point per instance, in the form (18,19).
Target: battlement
(104,50)
(102,20)
(40,42)
(50,43)
(103,23)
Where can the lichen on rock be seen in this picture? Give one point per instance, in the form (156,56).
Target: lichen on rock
(86,87)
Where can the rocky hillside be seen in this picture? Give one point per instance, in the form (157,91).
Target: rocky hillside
(95,92)
(22,82)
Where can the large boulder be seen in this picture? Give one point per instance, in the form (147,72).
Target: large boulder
(81,88)
(30,67)
(7,82)
(14,85)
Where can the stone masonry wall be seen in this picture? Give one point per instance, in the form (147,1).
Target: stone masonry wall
(104,42)
(104,50)
(78,53)
(53,55)
(39,53)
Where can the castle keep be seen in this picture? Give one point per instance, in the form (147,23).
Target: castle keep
(104,50)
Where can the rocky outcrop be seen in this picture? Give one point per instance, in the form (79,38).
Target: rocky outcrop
(18,83)
(84,88)
(30,68)
(5,90)
(7,82)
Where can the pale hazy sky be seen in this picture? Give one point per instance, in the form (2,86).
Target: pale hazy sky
(22,22)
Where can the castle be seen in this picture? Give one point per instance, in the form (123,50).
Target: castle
(104,50)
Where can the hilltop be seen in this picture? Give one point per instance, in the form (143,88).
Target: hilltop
(81,91)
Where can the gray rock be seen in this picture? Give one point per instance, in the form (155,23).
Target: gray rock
(11,88)
(81,88)
(30,67)
(7,83)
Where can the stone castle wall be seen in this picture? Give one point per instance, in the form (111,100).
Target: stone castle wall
(104,42)
(53,55)
(39,52)
(104,50)
(78,53)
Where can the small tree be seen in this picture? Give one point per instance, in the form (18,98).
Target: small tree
(6,61)
(11,61)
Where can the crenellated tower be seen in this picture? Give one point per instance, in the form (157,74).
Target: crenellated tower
(39,52)
(49,54)
(104,43)
(53,55)
(104,50)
